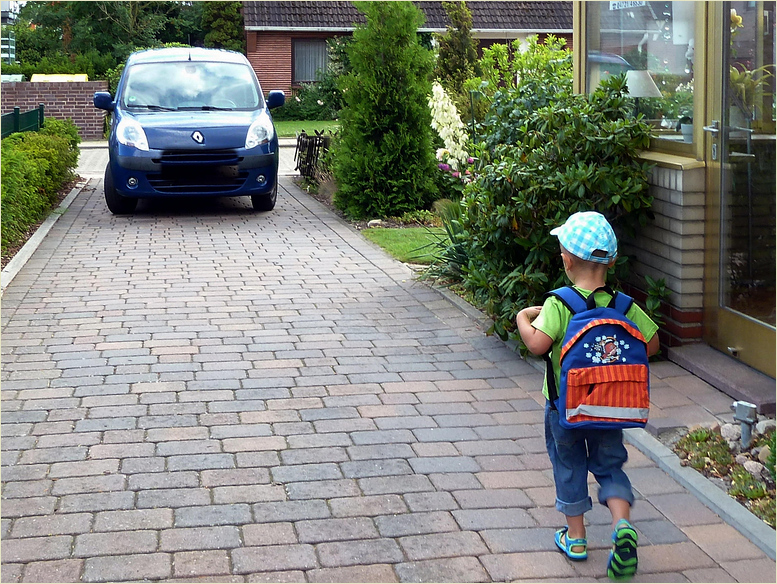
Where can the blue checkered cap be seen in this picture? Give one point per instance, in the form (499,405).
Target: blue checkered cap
(585,233)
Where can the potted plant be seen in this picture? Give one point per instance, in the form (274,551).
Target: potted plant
(683,98)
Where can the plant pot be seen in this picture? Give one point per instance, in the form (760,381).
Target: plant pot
(687,131)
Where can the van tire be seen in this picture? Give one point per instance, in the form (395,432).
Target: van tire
(265,202)
(117,204)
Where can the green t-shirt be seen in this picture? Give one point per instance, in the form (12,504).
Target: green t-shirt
(554,320)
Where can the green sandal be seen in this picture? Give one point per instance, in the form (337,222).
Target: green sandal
(622,564)
(567,545)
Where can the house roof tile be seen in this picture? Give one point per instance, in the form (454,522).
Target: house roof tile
(486,15)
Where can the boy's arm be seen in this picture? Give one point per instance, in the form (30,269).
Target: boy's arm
(653,345)
(535,340)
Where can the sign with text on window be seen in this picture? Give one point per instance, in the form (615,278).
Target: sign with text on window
(625,4)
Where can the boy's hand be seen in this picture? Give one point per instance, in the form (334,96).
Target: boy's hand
(536,341)
(530,312)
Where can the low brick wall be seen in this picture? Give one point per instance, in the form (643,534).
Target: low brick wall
(61,100)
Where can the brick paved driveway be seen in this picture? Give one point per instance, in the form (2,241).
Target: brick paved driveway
(215,393)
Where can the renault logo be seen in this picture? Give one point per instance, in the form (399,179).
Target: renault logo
(198,137)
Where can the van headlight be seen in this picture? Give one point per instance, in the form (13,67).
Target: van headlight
(130,133)
(260,132)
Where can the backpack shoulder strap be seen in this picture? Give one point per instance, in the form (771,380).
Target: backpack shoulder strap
(623,302)
(569,297)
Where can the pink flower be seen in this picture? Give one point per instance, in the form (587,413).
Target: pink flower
(456,174)
(443,166)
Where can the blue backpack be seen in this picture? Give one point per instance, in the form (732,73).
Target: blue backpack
(605,381)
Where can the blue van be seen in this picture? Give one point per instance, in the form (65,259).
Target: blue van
(190,122)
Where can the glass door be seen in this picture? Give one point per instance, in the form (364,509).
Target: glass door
(740,287)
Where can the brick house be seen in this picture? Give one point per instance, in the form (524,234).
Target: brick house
(286,40)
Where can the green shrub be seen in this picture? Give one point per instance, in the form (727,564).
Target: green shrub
(745,485)
(536,166)
(384,164)
(35,167)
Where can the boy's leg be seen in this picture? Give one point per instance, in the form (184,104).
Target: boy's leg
(607,455)
(567,452)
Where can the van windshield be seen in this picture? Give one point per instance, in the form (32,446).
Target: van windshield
(191,85)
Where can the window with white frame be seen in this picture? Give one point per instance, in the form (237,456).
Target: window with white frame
(654,44)
(310,59)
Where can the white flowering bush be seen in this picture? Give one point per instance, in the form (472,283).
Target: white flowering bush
(447,123)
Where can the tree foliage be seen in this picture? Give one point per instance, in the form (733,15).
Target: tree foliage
(385,160)
(457,58)
(223,22)
(93,37)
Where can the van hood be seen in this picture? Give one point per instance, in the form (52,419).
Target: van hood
(193,130)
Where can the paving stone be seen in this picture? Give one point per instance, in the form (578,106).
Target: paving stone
(260,534)
(528,566)
(290,511)
(285,576)
(444,464)
(484,498)
(415,523)
(455,481)
(212,515)
(237,476)
(200,563)
(163,480)
(273,558)
(370,573)
(97,502)
(375,468)
(173,498)
(322,489)
(434,501)
(305,472)
(529,539)
(368,506)
(84,468)
(115,543)
(129,567)
(380,451)
(397,485)
(46,525)
(17,489)
(760,570)
(322,530)
(133,519)
(340,554)
(53,571)
(248,494)
(199,538)
(200,461)
(684,509)
(12,572)
(31,549)
(466,569)
(479,519)
(722,543)
(89,484)
(442,545)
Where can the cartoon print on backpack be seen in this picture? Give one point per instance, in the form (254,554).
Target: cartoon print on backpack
(607,350)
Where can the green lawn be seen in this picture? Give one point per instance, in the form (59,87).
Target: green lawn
(290,128)
(409,244)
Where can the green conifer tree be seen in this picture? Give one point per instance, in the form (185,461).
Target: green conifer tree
(385,163)
(223,25)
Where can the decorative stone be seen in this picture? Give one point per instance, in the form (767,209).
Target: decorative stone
(763,426)
(754,468)
(741,459)
(374,223)
(730,432)
(763,456)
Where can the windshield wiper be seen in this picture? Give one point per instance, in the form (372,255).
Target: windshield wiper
(206,108)
(153,107)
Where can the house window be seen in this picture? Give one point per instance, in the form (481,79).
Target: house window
(310,60)
(654,44)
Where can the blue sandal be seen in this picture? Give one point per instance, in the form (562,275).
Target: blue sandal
(622,564)
(567,545)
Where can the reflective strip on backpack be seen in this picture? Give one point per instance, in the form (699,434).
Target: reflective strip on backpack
(608,412)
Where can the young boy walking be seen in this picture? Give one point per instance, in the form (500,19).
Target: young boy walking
(588,248)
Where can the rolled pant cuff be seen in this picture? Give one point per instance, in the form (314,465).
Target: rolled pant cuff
(617,491)
(574,509)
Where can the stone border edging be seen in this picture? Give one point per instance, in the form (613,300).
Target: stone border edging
(713,497)
(25,253)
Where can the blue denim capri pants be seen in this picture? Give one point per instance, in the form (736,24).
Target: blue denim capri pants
(575,452)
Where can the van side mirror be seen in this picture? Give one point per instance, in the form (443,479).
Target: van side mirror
(103,100)
(276,98)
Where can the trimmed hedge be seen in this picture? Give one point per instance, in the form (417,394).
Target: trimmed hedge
(35,166)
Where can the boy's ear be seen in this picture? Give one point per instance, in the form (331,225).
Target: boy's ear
(612,262)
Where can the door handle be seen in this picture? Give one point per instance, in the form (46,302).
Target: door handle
(713,128)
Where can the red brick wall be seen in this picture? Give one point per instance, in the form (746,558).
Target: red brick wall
(61,100)
(270,56)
